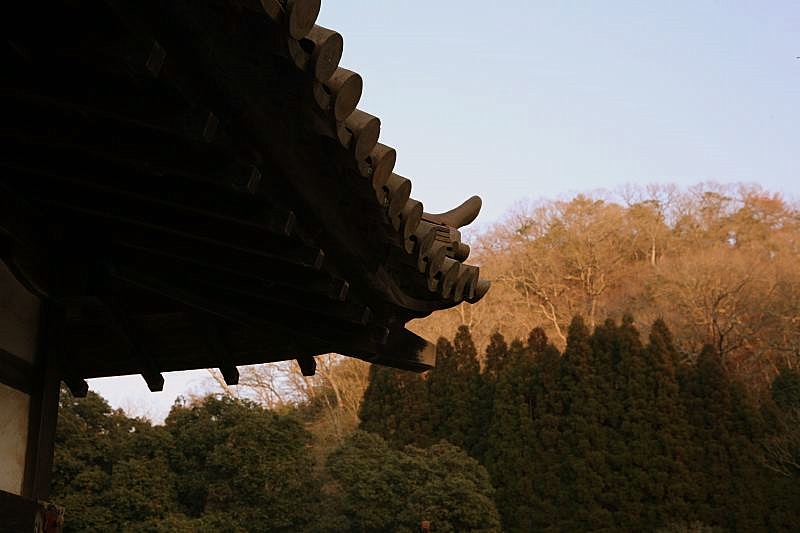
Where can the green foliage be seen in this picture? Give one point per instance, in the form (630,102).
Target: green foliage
(239,464)
(109,470)
(614,434)
(386,489)
(395,406)
(606,437)
(454,392)
(218,465)
(509,458)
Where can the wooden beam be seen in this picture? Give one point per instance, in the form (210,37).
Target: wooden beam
(148,367)
(218,346)
(256,315)
(269,233)
(44,405)
(283,279)
(260,301)
(230,374)
(16,373)
(140,142)
(79,388)
(308,365)
(154,380)
(18,513)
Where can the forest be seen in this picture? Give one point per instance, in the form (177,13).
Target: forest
(635,367)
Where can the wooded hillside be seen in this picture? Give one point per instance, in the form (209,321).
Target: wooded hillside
(720,264)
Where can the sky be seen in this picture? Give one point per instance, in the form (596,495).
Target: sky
(529,99)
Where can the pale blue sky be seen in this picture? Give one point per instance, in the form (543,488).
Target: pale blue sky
(524,99)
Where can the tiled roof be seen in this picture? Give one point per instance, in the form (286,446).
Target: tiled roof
(213,179)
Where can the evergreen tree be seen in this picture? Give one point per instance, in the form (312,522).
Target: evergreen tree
(453,392)
(395,406)
(707,400)
(646,464)
(584,467)
(497,358)
(508,457)
(724,428)
(537,341)
(547,412)
(781,448)
(672,483)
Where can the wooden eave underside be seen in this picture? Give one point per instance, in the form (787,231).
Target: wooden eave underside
(200,198)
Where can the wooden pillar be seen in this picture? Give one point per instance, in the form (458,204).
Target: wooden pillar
(31,334)
(43,415)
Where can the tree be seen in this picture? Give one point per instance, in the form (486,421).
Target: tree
(386,489)
(104,463)
(496,361)
(454,392)
(584,466)
(508,457)
(395,407)
(669,427)
(239,464)
(718,262)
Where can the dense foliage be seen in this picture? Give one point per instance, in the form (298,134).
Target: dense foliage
(230,465)
(217,465)
(614,433)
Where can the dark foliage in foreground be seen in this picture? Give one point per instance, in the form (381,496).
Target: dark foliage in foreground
(230,465)
(614,433)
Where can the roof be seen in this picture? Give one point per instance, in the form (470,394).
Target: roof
(199,189)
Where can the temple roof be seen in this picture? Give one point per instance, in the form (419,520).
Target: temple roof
(194,184)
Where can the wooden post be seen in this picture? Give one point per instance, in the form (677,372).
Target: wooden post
(44,405)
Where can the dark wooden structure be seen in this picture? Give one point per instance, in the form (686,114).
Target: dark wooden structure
(190,184)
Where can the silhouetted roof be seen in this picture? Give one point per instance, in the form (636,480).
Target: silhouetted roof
(200,177)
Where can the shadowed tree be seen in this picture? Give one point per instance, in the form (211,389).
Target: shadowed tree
(386,489)
(508,456)
(395,406)
(453,391)
(585,464)
(496,360)
(239,464)
(109,470)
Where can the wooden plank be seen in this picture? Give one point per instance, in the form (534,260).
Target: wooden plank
(18,513)
(279,277)
(160,147)
(270,232)
(139,234)
(256,314)
(16,373)
(260,300)
(218,346)
(148,366)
